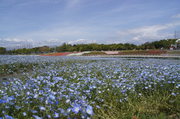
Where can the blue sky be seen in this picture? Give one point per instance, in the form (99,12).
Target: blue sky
(53,22)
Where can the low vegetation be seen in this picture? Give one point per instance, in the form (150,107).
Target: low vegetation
(16,68)
(94,53)
(143,52)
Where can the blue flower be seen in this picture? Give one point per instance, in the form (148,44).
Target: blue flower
(69,109)
(174,94)
(52,97)
(8,117)
(42,108)
(89,110)
(49,116)
(36,96)
(56,115)
(24,114)
(76,108)
(34,111)
(10,98)
(57,102)
(37,117)
(2,101)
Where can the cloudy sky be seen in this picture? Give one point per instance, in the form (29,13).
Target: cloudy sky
(53,22)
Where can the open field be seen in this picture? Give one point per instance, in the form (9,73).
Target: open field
(121,53)
(136,52)
(89,87)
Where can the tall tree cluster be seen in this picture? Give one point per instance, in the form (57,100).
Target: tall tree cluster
(165,44)
(2,50)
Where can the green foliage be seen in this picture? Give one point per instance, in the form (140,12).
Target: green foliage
(2,50)
(95,47)
(6,69)
(165,44)
(158,44)
(36,50)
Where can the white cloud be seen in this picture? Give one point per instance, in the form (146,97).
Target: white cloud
(148,33)
(26,43)
(81,41)
(176,16)
(50,36)
(17,40)
(12,43)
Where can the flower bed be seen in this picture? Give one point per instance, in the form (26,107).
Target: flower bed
(61,87)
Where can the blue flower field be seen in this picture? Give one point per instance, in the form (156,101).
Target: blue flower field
(89,88)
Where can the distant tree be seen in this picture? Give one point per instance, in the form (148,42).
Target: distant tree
(64,47)
(44,49)
(165,44)
(158,44)
(2,50)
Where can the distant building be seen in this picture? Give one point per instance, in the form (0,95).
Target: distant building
(175,46)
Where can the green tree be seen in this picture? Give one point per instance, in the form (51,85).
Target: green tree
(2,50)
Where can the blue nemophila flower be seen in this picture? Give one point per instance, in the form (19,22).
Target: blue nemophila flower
(76,108)
(2,101)
(52,97)
(62,111)
(8,117)
(57,102)
(10,98)
(5,83)
(34,111)
(56,115)
(68,100)
(17,107)
(28,93)
(36,96)
(97,106)
(174,94)
(89,110)
(37,117)
(49,116)
(178,85)
(69,110)
(7,107)
(42,108)
(24,113)
(58,78)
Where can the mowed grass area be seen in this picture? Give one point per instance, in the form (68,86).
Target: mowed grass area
(81,87)
(136,52)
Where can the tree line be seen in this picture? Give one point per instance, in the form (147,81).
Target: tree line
(162,44)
